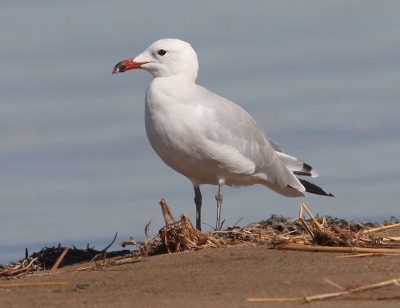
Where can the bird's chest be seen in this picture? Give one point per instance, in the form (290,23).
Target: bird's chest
(178,128)
(174,127)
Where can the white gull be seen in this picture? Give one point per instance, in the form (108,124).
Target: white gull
(206,137)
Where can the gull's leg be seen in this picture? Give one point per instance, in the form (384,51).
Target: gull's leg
(197,201)
(219,196)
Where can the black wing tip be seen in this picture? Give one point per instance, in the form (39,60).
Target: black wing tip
(301,173)
(305,171)
(307,167)
(314,189)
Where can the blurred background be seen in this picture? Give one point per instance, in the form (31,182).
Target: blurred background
(322,78)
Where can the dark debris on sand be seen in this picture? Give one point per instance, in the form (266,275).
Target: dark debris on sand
(280,224)
(48,256)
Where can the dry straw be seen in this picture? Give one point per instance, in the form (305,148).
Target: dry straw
(329,295)
(321,234)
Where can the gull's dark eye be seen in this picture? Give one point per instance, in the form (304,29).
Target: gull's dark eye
(162,52)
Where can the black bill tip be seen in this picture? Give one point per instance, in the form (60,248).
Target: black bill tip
(119,68)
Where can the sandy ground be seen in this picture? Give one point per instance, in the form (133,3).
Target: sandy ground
(223,277)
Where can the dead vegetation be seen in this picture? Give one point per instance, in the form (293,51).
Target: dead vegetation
(300,234)
(313,234)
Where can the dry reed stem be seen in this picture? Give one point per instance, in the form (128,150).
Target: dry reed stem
(16,271)
(329,295)
(166,212)
(316,248)
(275,299)
(104,256)
(47,274)
(135,243)
(354,290)
(334,284)
(85,268)
(375,285)
(110,264)
(59,260)
(35,284)
(391,239)
(323,296)
(373,230)
(127,260)
(371,254)
(304,207)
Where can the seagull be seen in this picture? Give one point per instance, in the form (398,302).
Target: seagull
(206,137)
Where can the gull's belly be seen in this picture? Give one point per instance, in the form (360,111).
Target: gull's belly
(195,158)
(182,154)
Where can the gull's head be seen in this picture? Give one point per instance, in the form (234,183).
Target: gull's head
(164,58)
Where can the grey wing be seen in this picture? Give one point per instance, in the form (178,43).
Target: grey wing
(235,128)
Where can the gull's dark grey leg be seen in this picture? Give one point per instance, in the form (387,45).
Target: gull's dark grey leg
(219,196)
(197,201)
